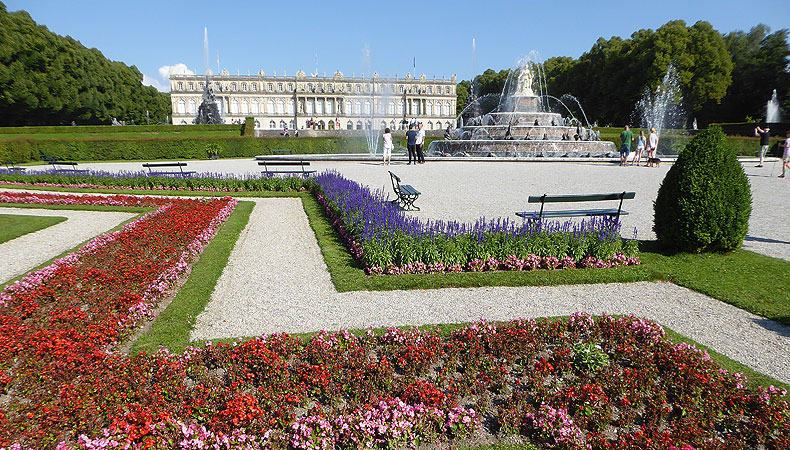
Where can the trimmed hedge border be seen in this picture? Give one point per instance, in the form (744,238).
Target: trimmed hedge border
(114,129)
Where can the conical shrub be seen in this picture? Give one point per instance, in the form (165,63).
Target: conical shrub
(704,203)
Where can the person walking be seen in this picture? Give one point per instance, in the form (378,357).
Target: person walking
(765,142)
(652,145)
(626,137)
(419,142)
(640,147)
(786,156)
(411,144)
(387,146)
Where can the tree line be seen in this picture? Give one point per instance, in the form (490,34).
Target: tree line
(723,77)
(48,79)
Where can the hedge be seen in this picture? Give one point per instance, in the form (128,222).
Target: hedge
(672,145)
(135,149)
(116,129)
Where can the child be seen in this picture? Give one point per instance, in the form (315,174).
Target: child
(387,146)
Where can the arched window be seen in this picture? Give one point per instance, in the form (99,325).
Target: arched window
(429,109)
(321,125)
(359,124)
(416,108)
(391,108)
(367,108)
(255,108)
(430,126)
(330,106)
(446,109)
(348,111)
(182,107)
(350,125)
(183,122)
(234,107)
(280,107)
(447,125)
(245,107)
(270,107)
(291,124)
(257,124)
(319,107)
(282,124)
(400,107)
(272,125)
(310,106)
(290,106)
(358,108)
(359,89)
(392,124)
(367,125)
(192,107)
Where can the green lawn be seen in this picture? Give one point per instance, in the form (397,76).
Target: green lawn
(12,226)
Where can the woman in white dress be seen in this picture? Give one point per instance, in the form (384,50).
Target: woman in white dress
(387,146)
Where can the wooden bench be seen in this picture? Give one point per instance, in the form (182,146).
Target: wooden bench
(9,165)
(281,151)
(406,194)
(70,167)
(271,167)
(180,173)
(579,198)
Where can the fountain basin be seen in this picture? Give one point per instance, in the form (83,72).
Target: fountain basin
(534,148)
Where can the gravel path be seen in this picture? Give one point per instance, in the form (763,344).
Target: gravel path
(466,190)
(276,281)
(27,252)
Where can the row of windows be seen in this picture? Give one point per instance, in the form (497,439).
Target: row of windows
(351,125)
(319,87)
(323,107)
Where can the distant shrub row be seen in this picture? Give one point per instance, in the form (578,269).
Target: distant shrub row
(672,145)
(92,149)
(111,129)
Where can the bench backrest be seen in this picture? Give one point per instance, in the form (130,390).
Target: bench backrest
(165,164)
(63,163)
(395,181)
(577,198)
(283,163)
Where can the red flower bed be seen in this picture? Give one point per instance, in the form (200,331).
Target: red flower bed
(606,383)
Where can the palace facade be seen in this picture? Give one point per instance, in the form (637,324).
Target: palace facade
(348,103)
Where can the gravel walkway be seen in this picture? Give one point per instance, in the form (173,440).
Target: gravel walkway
(276,281)
(27,252)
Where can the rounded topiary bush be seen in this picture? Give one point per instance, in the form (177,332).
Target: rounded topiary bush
(705,201)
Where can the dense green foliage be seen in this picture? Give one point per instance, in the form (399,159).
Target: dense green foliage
(705,201)
(104,129)
(723,77)
(248,129)
(188,147)
(47,79)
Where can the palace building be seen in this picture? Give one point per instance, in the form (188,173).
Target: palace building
(348,103)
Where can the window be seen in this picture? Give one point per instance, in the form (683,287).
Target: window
(270,107)
(367,108)
(359,89)
(280,87)
(331,88)
(290,87)
(191,86)
(290,106)
(382,125)
(330,106)
(280,107)
(233,87)
(350,125)
(348,108)
(234,107)
(271,87)
(310,106)
(218,87)
(245,107)
(348,88)
(416,108)
(368,88)
(200,85)
(430,125)
(292,124)
(255,108)
(272,125)
(447,109)
(400,89)
(254,86)
(282,124)
(244,87)
(180,86)
(321,87)
(367,125)
(182,107)
(358,108)
(430,90)
(447,90)
(391,110)
(392,88)
(429,109)
(257,124)
(400,107)
(359,124)
(319,107)
(310,87)
(192,107)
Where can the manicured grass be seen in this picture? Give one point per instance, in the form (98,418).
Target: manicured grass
(12,226)
(172,327)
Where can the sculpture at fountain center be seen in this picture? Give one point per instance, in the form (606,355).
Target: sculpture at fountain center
(208,112)
(524,85)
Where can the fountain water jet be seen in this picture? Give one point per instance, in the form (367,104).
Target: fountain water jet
(772,113)
(663,108)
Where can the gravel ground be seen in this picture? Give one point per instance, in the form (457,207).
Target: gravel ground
(27,252)
(276,281)
(466,190)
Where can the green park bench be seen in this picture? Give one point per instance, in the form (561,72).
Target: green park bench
(406,194)
(271,167)
(153,169)
(578,198)
(66,167)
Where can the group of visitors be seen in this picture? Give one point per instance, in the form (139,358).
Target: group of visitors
(649,143)
(765,143)
(415,139)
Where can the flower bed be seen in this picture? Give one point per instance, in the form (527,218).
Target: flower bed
(387,241)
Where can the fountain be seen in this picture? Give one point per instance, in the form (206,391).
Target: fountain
(208,111)
(520,123)
(663,108)
(772,114)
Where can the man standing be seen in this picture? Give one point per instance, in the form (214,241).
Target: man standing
(626,137)
(765,141)
(419,141)
(411,144)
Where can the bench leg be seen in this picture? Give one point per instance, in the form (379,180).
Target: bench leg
(408,203)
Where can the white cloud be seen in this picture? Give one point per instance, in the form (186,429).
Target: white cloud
(151,81)
(178,69)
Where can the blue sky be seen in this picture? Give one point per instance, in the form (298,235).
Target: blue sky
(362,37)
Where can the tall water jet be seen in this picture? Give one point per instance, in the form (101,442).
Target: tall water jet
(205,48)
(772,114)
(371,126)
(663,108)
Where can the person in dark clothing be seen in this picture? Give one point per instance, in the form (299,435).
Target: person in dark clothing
(765,142)
(411,144)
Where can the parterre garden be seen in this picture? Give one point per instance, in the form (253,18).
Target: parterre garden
(566,383)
